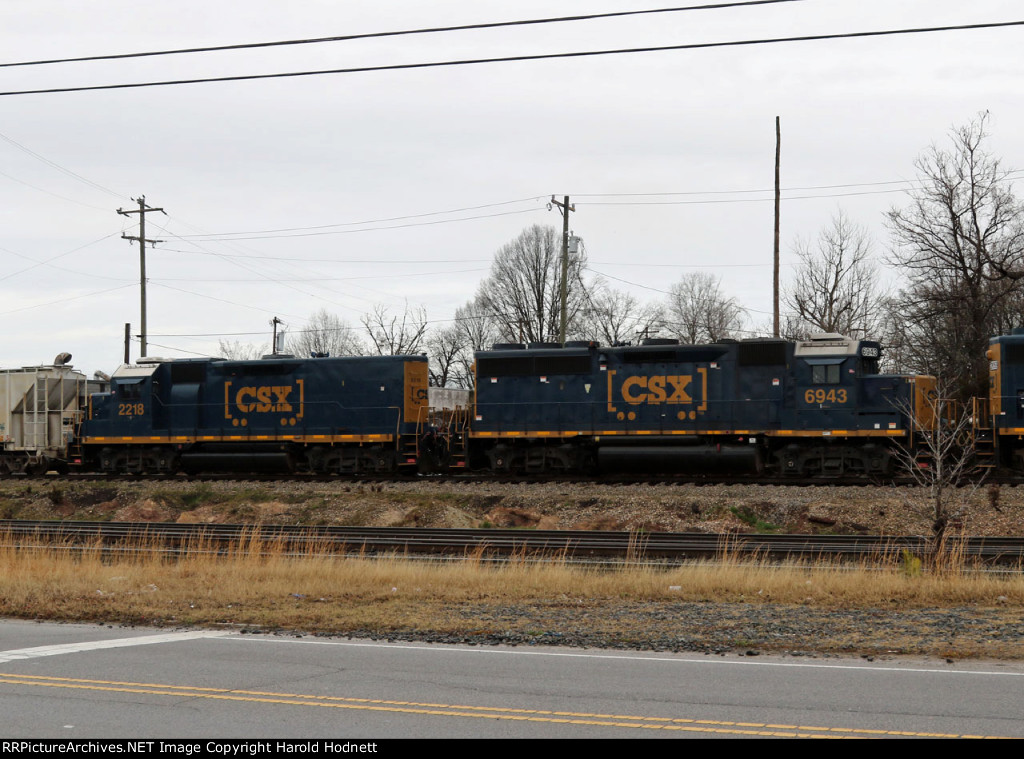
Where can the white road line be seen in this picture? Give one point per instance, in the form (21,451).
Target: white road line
(74,648)
(716,661)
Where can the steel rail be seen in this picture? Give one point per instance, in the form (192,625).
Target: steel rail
(576,545)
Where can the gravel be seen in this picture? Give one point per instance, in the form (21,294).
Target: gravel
(744,629)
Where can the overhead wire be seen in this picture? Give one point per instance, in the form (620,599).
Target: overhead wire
(65,299)
(520,58)
(434,273)
(60,168)
(377,221)
(50,260)
(232,236)
(232,260)
(278,277)
(235,236)
(51,194)
(275,233)
(397,33)
(734,200)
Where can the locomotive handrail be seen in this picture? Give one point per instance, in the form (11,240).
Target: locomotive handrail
(980,418)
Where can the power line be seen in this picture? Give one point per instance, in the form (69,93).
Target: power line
(238,236)
(402,32)
(389,275)
(738,192)
(222,300)
(58,167)
(52,194)
(655,289)
(249,235)
(373,221)
(36,263)
(173,348)
(521,58)
(346,261)
(737,200)
(231,259)
(66,300)
(271,233)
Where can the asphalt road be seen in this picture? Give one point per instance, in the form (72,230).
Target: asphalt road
(82,681)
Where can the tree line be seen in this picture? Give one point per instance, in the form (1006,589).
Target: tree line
(956,249)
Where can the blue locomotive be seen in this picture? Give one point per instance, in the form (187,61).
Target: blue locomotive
(814,407)
(999,429)
(326,415)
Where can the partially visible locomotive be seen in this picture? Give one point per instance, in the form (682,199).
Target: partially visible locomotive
(1000,427)
(813,408)
(325,415)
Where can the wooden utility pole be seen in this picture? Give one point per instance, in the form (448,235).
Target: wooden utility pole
(775,279)
(143,210)
(565,208)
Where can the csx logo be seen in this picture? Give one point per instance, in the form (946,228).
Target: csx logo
(286,400)
(264,399)
(659,388)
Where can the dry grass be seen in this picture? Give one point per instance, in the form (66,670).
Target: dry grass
(256,584)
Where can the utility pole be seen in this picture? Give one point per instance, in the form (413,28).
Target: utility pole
(565,208)
(775,280)
(143,210)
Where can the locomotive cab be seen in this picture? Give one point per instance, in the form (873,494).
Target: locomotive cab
(855,413)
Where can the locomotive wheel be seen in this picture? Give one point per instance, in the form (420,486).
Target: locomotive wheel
(500,459)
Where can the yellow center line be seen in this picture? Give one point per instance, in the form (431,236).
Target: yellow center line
(461,710)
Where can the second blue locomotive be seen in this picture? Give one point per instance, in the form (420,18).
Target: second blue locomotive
(815,407)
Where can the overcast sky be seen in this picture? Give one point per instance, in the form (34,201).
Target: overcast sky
(660,151)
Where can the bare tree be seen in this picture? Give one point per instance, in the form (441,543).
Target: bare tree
(396,334)
(443,345)
(476,330)
(835,288)
(961,244)
(613,317)
(941,457)
(699,312)
(522,292)
(324,334)
(236,350)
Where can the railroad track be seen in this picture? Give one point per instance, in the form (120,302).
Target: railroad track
(493,544)
(625,480)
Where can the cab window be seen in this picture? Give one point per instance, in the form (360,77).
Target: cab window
(825,374)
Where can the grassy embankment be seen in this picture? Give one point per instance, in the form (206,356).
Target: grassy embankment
(257,586)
